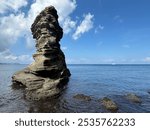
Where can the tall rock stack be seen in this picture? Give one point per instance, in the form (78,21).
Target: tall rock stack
(48,74)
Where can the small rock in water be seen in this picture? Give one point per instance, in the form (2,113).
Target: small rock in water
(109,104)
(133,98)
(149,92)
(82,97)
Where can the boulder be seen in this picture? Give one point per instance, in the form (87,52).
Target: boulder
(109,104)
(48,74)
(133,98)
(82,97)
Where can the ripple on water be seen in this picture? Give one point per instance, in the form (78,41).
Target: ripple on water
(94,81)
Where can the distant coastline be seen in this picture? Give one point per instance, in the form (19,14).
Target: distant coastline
(108,64)
(12,64)
(86,64)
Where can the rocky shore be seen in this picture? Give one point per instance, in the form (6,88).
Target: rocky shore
(108,103)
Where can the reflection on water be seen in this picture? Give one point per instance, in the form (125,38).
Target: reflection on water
(96,81)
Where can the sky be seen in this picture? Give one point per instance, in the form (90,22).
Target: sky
(95,31)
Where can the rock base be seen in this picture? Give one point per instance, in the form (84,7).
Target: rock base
(38,87)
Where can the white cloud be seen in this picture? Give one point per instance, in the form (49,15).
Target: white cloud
(7,57)
(147,59)
(99,28)
(68,25)
(17,25)
(10,57)
(25,59)
(30,42)
(85,26)
(64,7)
(8,5)
(12,27)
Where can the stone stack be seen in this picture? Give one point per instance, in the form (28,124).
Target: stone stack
(48,74)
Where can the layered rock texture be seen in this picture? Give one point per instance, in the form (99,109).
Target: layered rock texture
(48,74)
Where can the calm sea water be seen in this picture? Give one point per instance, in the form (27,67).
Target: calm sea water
(97,81)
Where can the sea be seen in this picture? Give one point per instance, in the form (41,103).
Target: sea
(97,81)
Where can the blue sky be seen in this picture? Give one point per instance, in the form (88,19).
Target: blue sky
(95,31)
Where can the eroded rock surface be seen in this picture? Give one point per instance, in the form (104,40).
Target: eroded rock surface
(48,74)
(133,98)
(109,104)
(82,97)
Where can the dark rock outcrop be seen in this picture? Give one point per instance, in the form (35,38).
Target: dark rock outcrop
(48,74)
(82,97)
(109,104)
(133,98)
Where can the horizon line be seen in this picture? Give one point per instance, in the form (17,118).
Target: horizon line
(90,63)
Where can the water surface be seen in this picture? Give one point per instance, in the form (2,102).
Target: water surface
(97,81)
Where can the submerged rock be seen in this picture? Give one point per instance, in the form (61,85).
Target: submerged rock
(48,74)
(82,97)
(109,104)
(133,98)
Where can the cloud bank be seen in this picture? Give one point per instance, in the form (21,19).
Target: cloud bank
(15,24)
(14,5)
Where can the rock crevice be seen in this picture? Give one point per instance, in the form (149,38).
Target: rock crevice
(48,74)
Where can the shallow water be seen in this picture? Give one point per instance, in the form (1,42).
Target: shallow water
(97,81)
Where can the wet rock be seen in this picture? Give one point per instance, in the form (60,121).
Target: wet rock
(133,98)
(48,74)
(149,92)
(82,97)
(109,104)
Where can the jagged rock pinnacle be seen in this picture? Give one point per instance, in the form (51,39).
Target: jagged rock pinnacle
(48,74)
